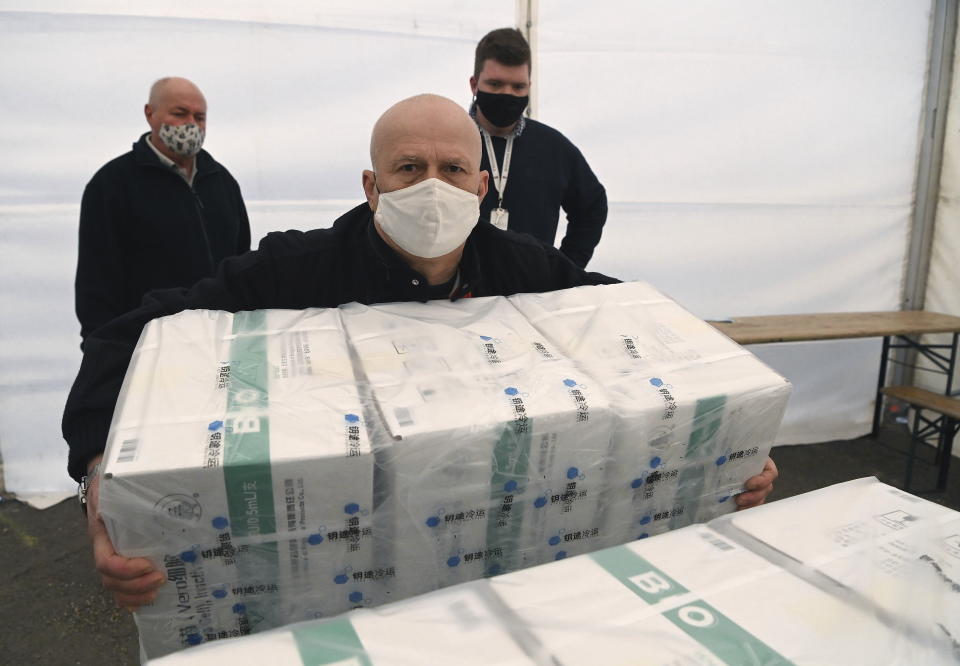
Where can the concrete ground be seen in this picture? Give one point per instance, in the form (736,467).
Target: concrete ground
(53,611)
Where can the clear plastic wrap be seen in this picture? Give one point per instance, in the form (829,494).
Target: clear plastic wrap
(879,548)
(694,596)
(289,465)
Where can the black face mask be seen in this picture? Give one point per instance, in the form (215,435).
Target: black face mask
(501,110)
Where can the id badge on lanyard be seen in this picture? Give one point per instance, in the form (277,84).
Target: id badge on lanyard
(499,216)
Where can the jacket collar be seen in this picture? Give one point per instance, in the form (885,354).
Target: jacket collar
(145,156)
(397,269)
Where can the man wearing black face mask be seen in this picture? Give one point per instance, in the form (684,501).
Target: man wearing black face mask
(534,170)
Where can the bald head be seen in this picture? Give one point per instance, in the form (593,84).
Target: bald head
(168,86)
(425,115)
(420,138)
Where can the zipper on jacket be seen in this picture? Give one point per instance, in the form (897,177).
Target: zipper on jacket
(203,226)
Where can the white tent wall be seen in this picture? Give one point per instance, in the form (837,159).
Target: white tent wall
(293,91)
(759,156)
(943,279)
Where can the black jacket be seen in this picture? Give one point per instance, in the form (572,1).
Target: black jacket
(143,227)
(295,270)
(547,173)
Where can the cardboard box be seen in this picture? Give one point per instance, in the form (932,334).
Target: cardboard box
(696,414)
(691,596)
(448,626)
(238,460)
(894,552)
(531,436)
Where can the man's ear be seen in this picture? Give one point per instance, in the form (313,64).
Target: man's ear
(482,192)
(369,181)
(473,86)
(147,112)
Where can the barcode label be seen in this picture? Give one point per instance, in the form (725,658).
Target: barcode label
(128,451)
(403,416)
(717,543)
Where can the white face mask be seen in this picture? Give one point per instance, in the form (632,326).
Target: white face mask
(429,219)
(184,140)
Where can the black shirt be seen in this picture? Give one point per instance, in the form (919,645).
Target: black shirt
(295,270)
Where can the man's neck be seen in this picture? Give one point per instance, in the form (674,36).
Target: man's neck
(185,163)
(492,129)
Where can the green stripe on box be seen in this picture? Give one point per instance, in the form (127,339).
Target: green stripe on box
(333,642)
(707,418)
(510,464)
(246,455)
(702,622)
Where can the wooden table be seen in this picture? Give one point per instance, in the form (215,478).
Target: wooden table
(899,330)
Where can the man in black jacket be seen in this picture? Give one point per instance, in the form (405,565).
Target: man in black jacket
(535,170)
(416,238)
(162,215)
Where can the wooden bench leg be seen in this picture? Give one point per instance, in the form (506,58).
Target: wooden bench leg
(914,436)
(947,432)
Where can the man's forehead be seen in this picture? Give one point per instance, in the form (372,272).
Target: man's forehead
(185,97)
(494,69)
(422,149)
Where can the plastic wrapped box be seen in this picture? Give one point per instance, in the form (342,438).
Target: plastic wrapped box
(696,414)
(494,446)
(239,462)
(283,465)
(693,596)
(886,549)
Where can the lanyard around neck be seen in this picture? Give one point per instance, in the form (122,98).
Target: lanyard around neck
(499,179)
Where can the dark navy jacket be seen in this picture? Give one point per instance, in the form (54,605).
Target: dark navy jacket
(143,227)
(547,173)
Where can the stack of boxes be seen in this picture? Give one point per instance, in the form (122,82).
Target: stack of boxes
(697,595)
(288,465)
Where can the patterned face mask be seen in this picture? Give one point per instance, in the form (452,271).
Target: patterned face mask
(184,140)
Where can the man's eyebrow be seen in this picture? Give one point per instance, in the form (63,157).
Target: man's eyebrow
(407,158)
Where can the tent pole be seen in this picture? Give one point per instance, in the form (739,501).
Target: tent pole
(943,33)
(527,16)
